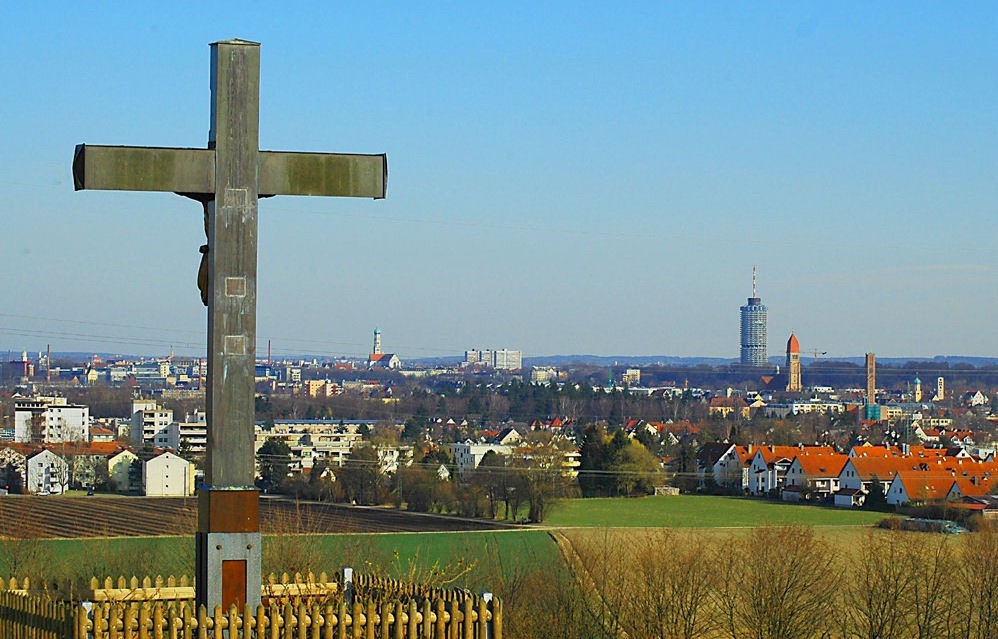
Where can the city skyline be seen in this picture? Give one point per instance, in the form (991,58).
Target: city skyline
(559,182)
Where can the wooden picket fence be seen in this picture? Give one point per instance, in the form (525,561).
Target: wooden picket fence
(303,607)
(27,616)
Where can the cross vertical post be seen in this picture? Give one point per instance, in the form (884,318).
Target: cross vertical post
(228,178)
(228,539)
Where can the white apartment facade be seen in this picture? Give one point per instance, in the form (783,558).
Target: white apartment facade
(502,359)
(49,420)
(47,473)
(190,435)
(148,420)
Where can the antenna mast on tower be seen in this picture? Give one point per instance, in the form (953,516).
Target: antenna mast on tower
(754,287)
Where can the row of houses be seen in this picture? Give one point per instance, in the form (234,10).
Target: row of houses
(328,442)
(904,474)
(55,470)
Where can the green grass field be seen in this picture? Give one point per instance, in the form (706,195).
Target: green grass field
(699,511)
(481,557)
(478,558)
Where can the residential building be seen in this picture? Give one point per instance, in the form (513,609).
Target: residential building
(631,376)
(725,406)
(501,359)
(13,468)
(119,470)
(543,375)
(312,440)
(50,420)
(816,474)
(189,436)
(46,473)
(859,473)
(804,407)
(727,464)
(769,466)
(391,458)
(88,462)
(320,388)
(167,475)
(468,454)
(148,420)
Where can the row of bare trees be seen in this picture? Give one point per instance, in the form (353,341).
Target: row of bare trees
(788,583)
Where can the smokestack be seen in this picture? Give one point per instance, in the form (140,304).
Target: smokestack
(48,363)
(871,379)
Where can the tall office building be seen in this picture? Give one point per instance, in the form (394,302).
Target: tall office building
(754,329)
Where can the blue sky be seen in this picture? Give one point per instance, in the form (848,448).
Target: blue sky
(564,177)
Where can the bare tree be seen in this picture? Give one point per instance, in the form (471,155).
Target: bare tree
(875,595)
(783,585)
(979,583)
(932,587)
(670,586)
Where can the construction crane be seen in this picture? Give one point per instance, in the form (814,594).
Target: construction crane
(817,352)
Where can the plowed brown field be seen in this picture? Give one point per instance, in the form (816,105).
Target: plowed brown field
(69,517)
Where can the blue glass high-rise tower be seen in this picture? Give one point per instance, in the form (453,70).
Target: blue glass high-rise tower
(753,332)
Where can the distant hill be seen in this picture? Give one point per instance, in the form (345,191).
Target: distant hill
(592,360)
(624,360)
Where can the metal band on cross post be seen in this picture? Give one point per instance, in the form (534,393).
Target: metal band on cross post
(229,177)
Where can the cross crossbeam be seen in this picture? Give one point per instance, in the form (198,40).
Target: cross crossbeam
(192,171)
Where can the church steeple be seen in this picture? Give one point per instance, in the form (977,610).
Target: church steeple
(794,384)
(377,341)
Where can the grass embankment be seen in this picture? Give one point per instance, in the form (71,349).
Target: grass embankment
(475,556)
(478,555)
(699,511)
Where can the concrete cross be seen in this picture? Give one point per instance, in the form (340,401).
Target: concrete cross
(228,178)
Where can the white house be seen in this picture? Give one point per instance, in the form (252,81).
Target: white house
(46,473)
(768,470)
(168,475)
(975,399)
(817,474)
(727,463)
(859,472)
(918,486)
(390,457)
(467,454)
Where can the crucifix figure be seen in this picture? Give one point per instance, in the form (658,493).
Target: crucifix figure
(228,178)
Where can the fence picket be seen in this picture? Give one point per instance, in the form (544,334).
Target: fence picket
(382,608)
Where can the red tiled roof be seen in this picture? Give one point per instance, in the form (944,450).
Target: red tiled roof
(772,453)
(883,467)
(733,402)
(974,486)
(822,465)
(925,486)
